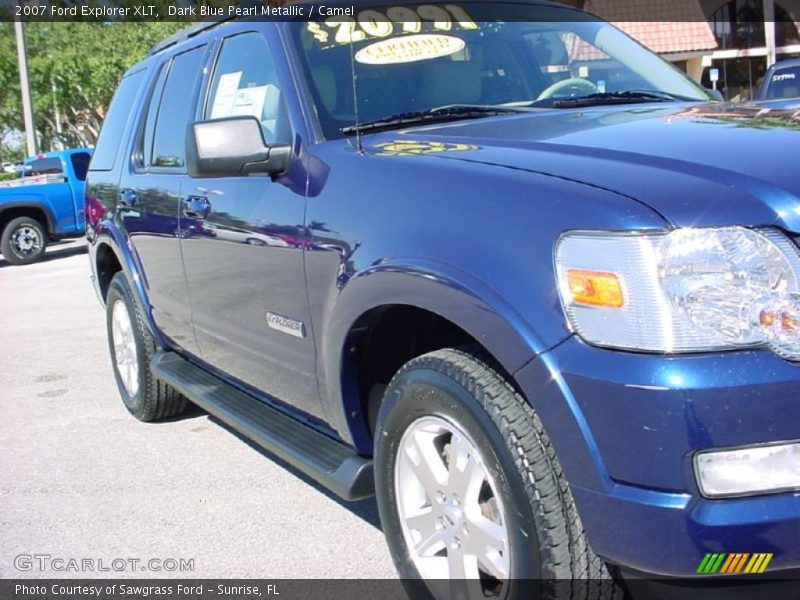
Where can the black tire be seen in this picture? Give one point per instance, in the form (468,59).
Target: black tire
(153,399)
(17,254)
(549,553)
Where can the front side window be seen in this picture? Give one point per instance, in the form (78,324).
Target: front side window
(174,109)
(245,83)
(417,58)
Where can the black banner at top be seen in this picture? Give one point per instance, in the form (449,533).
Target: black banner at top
(190,11)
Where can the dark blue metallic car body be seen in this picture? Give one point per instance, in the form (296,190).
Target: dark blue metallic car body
(460,220)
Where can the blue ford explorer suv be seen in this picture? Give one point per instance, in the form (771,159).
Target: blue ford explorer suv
(493,262)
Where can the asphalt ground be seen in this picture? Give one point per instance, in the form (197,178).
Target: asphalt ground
(80,478)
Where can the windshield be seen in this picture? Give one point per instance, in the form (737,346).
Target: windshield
(416,58)
(785,83)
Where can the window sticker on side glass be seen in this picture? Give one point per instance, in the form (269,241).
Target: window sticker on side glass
(399,20)
(225,98)
(250,101)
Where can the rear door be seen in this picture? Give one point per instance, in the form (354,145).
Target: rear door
(149,197)
(243,251)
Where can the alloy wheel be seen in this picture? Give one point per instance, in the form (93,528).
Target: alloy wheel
(450,513)
(125,351)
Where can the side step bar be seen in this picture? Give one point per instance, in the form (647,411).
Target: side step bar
(330,463)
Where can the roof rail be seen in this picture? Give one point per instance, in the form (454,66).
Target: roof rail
(184,34)
(196,29)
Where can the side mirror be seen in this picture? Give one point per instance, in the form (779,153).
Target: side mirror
(232,147)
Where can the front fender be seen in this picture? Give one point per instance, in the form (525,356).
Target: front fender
(447,291)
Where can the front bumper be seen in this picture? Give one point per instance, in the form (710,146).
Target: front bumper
(626,427)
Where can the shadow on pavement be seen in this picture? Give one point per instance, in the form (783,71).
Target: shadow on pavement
(366,510)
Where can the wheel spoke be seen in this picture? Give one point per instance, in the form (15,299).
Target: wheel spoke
(462,565)
(495,565)
(487,540)
(466,474)
(426,524)
(426,463)
(124,342)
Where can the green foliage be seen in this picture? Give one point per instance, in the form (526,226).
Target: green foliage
(74,69)
(7,176)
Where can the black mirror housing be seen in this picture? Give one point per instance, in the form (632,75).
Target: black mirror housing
(232,147)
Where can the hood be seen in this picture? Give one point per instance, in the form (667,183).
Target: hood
(696,165)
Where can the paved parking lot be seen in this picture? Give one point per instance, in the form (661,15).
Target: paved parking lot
(82,479)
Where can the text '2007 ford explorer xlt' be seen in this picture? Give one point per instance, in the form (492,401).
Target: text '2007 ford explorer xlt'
(493,261)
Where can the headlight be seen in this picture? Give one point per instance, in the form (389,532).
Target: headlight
(685,291)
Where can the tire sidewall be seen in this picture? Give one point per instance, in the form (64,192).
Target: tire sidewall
(119,291)
(421,392)
(10,252)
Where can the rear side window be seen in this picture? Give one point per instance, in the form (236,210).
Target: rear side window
(80,164)
(174,110)
(44,166)
(116,120)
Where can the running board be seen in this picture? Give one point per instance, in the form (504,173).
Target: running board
(330,463)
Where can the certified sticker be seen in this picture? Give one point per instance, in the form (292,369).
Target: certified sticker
(408,49)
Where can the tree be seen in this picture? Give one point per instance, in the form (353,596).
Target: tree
(73,69)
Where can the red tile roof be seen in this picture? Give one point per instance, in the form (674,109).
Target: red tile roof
(668,26)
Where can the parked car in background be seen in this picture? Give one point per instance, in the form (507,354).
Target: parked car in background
(45,204)
(542,294)
(780,87)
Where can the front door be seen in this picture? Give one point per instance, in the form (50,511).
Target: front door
(243,244)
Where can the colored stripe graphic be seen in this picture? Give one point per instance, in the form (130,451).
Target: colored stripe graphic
(728,565)
(742,559)
(758,564)
(703,563)
(736,562)
(711,563)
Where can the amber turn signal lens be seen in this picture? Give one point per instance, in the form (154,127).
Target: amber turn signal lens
(595,288)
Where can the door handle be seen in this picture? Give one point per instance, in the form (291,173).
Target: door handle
(196,207)
(127,197)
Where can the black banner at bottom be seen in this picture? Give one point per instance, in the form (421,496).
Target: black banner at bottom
(345,589)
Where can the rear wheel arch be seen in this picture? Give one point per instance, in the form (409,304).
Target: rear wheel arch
(12,210)
(107,264)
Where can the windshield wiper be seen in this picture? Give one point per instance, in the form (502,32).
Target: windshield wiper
(452,112)
(626,97)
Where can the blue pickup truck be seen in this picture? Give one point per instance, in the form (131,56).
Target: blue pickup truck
(43,205)
(538,292)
